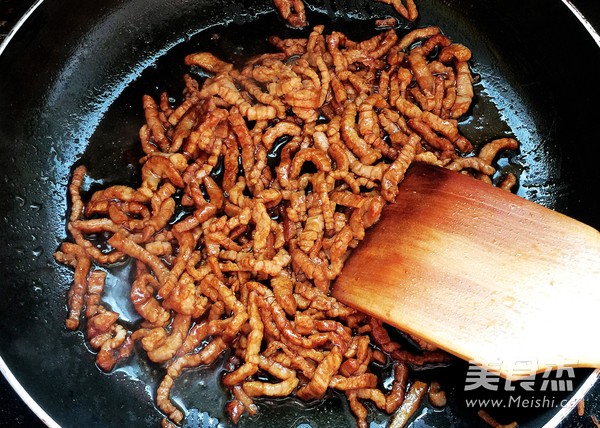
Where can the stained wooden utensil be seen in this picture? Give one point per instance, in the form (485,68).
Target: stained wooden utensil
(482,273)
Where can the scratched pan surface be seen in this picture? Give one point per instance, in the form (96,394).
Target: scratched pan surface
(71,82)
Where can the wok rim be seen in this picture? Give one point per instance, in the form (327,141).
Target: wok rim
(24,395)
(46,419)
(580,16)
(18,25)
(576,398)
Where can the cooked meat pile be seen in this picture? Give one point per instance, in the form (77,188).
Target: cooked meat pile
(254,189)
(292,11)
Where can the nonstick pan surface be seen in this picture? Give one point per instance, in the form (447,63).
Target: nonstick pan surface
(71,83)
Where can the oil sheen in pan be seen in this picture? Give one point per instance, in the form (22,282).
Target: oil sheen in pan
(498,111)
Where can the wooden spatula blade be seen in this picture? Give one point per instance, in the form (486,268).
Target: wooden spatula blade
(481,273)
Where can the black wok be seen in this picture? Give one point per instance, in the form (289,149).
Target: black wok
(71,82)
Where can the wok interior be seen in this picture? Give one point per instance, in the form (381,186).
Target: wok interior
(88,110)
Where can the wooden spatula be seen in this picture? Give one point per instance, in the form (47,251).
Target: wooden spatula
(482,273)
